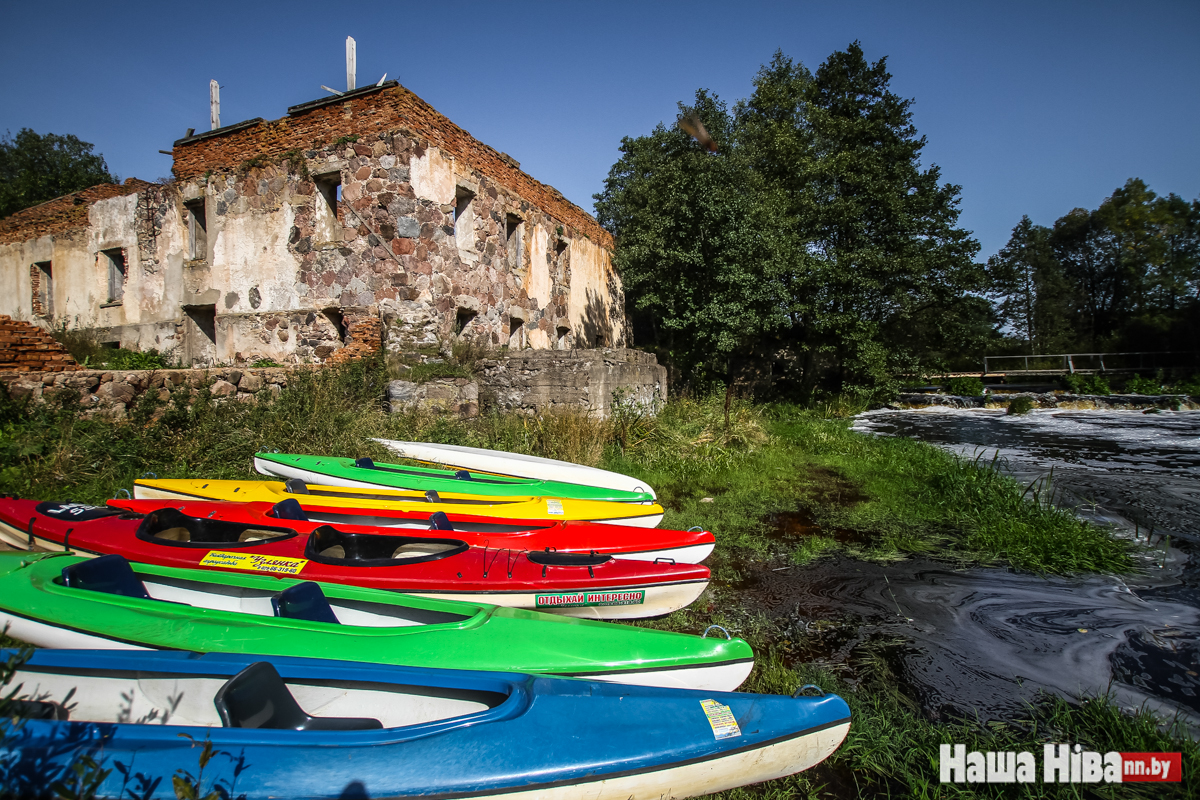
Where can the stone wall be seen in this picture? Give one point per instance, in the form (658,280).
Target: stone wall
(114,391)
(534,381)
(277,238)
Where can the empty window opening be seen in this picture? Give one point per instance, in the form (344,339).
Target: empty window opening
(325,218)
(116,274)
(42,279)
(464,219)
(338,320)
(560,247)
(462,202)
(462,319)
(200,334)
(514,230)
(563,343)
(516,332)
(197,223)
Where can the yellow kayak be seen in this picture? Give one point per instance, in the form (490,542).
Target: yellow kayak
(397,507)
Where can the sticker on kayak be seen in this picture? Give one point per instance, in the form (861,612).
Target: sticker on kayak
(76,512)
(724,726)
(554,507)
(259,563)
(577,599)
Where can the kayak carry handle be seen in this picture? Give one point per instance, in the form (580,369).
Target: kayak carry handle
(664,560)
(803,691)
(728,635)
(128,496)
(148,474)
(694,528)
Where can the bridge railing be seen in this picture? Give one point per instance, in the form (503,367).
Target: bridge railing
(1092,362)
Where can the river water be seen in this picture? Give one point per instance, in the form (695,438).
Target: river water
(983,642)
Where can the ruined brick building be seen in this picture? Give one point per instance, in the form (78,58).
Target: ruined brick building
(305,238)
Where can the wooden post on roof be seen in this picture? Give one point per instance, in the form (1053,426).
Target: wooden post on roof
(214,104)
(351,66)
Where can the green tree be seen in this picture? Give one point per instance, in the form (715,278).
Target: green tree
(1032,293)
(813,229)
(885,228)
(35,168)
(700,242)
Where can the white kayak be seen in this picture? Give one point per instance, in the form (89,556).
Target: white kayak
(515,465)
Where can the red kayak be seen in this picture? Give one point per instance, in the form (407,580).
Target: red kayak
(618,541)
(590,585)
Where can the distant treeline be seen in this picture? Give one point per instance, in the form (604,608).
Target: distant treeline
(795,241)
(1124,277)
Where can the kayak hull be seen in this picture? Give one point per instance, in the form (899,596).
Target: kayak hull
(430,563)
(210,611)
(438,733)
(619,541)
(517,465)
(378,506)
(364,473)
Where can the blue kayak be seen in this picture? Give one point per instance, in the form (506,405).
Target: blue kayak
(294,727)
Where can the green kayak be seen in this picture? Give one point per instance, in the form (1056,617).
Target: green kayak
(365,473)
(64,601)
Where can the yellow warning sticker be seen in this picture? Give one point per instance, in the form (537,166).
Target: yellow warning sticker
(554,506)
(259,563)
(724,726)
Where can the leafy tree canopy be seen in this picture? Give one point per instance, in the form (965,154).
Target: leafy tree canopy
(35,168)
(811,237)
(1125,276)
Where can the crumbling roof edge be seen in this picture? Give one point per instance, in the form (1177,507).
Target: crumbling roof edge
(237,126)
(339,98)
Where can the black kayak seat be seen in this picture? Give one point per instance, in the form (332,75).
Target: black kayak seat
(38,709)
(364,463)
(438,521)
(289,509)
(304,601)
(110,574)
(463,475)
(295,486)
(257,697)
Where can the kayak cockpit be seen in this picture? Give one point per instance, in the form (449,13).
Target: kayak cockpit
(256,697)
(328,545)
(171,527)
(113,575)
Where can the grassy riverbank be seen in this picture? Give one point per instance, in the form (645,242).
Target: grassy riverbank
(869,498)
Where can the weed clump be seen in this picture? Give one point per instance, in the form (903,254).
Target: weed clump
(1019,405)
(965,386)
(1089,384)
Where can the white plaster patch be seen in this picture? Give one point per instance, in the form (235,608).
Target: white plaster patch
(251,250)
(432,177)
(537,279)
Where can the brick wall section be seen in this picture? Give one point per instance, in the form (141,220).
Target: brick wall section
(364,337)
(35,283)
(62,213)
(391,108)
(27,348)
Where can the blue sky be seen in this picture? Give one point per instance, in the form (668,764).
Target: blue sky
(1033,107)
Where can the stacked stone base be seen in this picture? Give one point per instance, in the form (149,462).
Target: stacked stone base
(535,381)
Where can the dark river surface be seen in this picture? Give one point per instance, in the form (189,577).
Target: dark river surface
(982,642)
